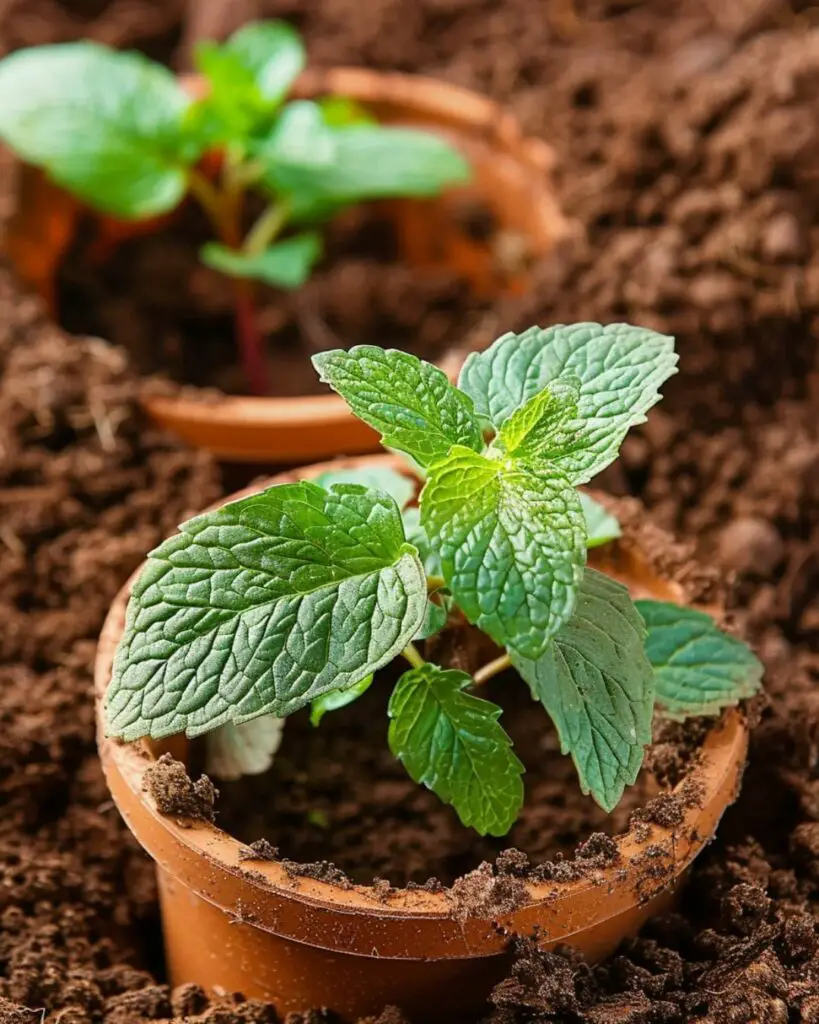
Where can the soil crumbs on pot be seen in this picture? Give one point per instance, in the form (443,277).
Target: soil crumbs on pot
(174,316)
(686,147)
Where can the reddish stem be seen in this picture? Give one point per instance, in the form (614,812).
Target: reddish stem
(248,336)
(250,341)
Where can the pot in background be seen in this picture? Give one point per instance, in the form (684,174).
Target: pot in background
(249,927)
(490,231)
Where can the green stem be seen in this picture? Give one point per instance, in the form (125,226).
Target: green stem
(492,668)
(413,656)
(209,199)
(266,229)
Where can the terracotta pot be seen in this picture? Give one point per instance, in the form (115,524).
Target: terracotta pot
(247,926)
(489,231)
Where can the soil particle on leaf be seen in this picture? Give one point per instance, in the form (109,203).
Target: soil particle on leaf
(176,794)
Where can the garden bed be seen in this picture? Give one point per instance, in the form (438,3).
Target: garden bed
(680,220)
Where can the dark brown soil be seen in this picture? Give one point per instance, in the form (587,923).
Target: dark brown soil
(175,794)
(686,143)
(174,316)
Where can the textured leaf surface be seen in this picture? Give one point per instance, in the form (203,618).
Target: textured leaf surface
(699,669)
(620,369)
(263,606)
(545,426)
(232,751)
(287,264)
(411,403)
(399,486)
(598,686)
(105,125)
(601,525)
(336,699)
(452,743)
(439,603)
(512,544)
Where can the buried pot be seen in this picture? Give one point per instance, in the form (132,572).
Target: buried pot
(488,232)
(237,925)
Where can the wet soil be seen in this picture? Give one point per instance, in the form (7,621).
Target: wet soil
(686,149)
(174,316)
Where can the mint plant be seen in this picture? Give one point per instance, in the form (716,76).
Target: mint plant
(297,596)
(121,133)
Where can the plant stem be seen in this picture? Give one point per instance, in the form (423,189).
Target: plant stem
(492,668)
(224,211)
(413,656)
(249,339)
(209,199)
(266,228)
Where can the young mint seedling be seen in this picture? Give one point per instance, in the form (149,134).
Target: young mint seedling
(297,596)
(119,132)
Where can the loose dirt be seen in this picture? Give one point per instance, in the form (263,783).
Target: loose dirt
(686,147)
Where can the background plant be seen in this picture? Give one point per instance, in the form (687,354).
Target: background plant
(121,133)
(298,595)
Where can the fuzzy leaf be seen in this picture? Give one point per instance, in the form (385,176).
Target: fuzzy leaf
(452,743)
(700,670)
(601,525)
(597,684)
(263,606)
(105,125)
(620,369)
(399,486)
(410,402)
(287,264)
(336,699)
(512,543)
(232,751)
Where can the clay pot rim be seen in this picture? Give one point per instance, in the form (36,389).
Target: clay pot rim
(718,769)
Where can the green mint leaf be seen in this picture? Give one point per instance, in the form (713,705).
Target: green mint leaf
(700,670)
(342,112)
(598,686)
(512,544)
(545,426)
(601,525)
(317,163)
(286,264)
(399,486)
(452,743)
(263,606)
(232,751)
(272,52)
(410,402)
(620,369)
(439,603)
(233,106)
(248,77)
(107,126)
(336,699)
